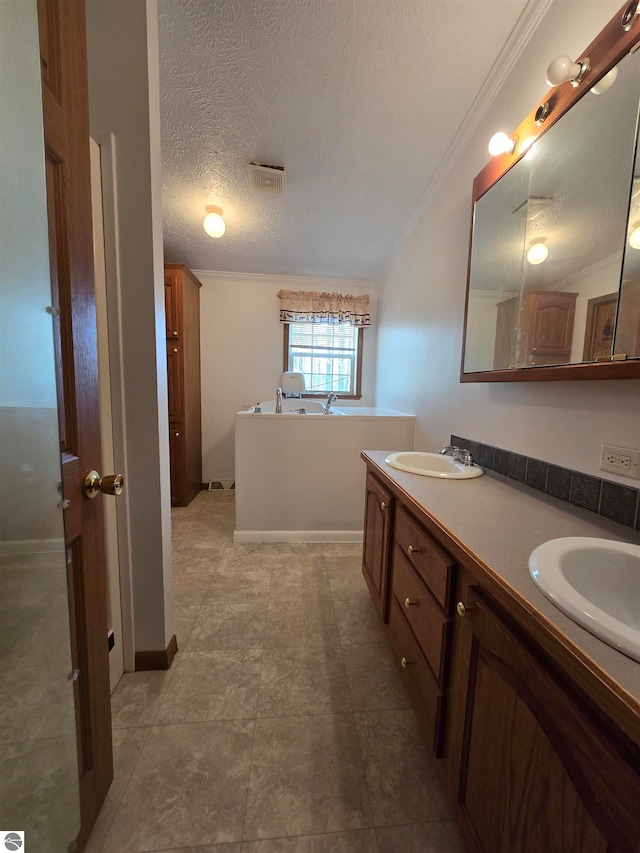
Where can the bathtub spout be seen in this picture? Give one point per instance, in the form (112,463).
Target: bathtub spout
(279,401)
(327,405)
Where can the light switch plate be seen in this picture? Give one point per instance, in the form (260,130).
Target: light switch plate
(620,460)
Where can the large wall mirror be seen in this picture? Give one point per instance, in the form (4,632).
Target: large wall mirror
(554,270)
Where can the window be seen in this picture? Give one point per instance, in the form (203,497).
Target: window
(328,354)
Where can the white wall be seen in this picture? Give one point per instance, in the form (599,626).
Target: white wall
(422,303)
(242,351)
(124,96)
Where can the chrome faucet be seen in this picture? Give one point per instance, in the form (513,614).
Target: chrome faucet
(459,454)
(327,406)
(278,401)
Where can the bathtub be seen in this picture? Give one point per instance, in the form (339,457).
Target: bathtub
(299,478)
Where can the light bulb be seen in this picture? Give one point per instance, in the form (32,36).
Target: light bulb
(213,222)
(537,253)
(561,70)
(605,83)
(634,237)
(500,143)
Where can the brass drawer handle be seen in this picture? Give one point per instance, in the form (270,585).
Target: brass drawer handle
(461,609)
(413,550)
(404,663)
(409,602)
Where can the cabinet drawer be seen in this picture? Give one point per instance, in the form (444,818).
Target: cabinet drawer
(435,566)
(426,697)
(427,619)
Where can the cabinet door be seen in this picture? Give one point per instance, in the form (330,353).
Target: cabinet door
(172,302)
(175,396)
(176,466)
(547,319)
(539,770)
(375,554)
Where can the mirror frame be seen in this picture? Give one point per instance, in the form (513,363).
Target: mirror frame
(610,46)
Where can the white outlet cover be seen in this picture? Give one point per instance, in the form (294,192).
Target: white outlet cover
(620,460)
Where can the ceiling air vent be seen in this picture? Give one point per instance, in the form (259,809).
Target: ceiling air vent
(266,178)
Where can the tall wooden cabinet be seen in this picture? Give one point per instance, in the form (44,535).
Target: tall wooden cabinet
(534,329)
(182,310)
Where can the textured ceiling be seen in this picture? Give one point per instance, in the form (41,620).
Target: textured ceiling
(358,99)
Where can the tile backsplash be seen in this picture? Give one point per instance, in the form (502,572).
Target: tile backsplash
(610,500)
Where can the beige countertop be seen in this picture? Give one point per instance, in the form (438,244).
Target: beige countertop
(500,521)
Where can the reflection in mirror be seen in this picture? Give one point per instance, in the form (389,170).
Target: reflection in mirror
(39,777)
(548,241)
(627,340)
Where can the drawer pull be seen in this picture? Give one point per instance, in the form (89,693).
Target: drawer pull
(383,505)
(404,663)
(409,602)
(461,609)
(413,550)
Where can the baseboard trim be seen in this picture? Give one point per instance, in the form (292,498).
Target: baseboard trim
(146,661)
(246,537)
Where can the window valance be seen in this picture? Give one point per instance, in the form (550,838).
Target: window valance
(309,306)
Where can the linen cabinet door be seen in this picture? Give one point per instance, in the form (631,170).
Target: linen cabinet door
(376,547)
(539,771)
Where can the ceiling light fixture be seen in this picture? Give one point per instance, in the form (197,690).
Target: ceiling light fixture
(564,70)
(500,143)
(634,237)
(213,222)
(538,253)
(605,83)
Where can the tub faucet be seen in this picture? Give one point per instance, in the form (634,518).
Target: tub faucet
(459,454)
(327,406)
(278,401)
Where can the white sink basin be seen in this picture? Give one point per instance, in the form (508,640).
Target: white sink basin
(432,465)
(596,582)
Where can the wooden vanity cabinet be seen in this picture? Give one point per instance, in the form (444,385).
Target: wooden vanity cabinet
(535,754)
(378,509)
(539,768)
(182,315)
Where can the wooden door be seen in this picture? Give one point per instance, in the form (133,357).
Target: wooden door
(375,555)
(539,771)
(66,132)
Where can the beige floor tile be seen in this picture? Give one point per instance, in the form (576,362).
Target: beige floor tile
(242,558)
(299,582)
(136,699)
(185,617)
(303,680)
(127,748)
(374,680)
(345,577)
(358,621)
(210,686)
(229,626)
(295,623)
(230,586)
(188,788)
(402,778)
(357,841)
(306,779)
(439,837)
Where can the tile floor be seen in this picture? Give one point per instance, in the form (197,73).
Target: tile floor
(282,726)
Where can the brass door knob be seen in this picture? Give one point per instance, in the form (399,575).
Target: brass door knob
(461,609)
(383,505)
(412,550)
(404,663)
(110,484)
(409,602)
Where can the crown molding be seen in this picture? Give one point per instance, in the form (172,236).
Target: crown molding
(310,282)
(526,25)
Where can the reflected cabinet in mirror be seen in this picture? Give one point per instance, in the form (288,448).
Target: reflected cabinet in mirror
(553,289)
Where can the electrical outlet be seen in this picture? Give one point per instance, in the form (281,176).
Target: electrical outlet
(620,460)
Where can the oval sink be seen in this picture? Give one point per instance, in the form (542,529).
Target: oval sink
(596,582)
(432,465)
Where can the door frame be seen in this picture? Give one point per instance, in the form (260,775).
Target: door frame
(108,170)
